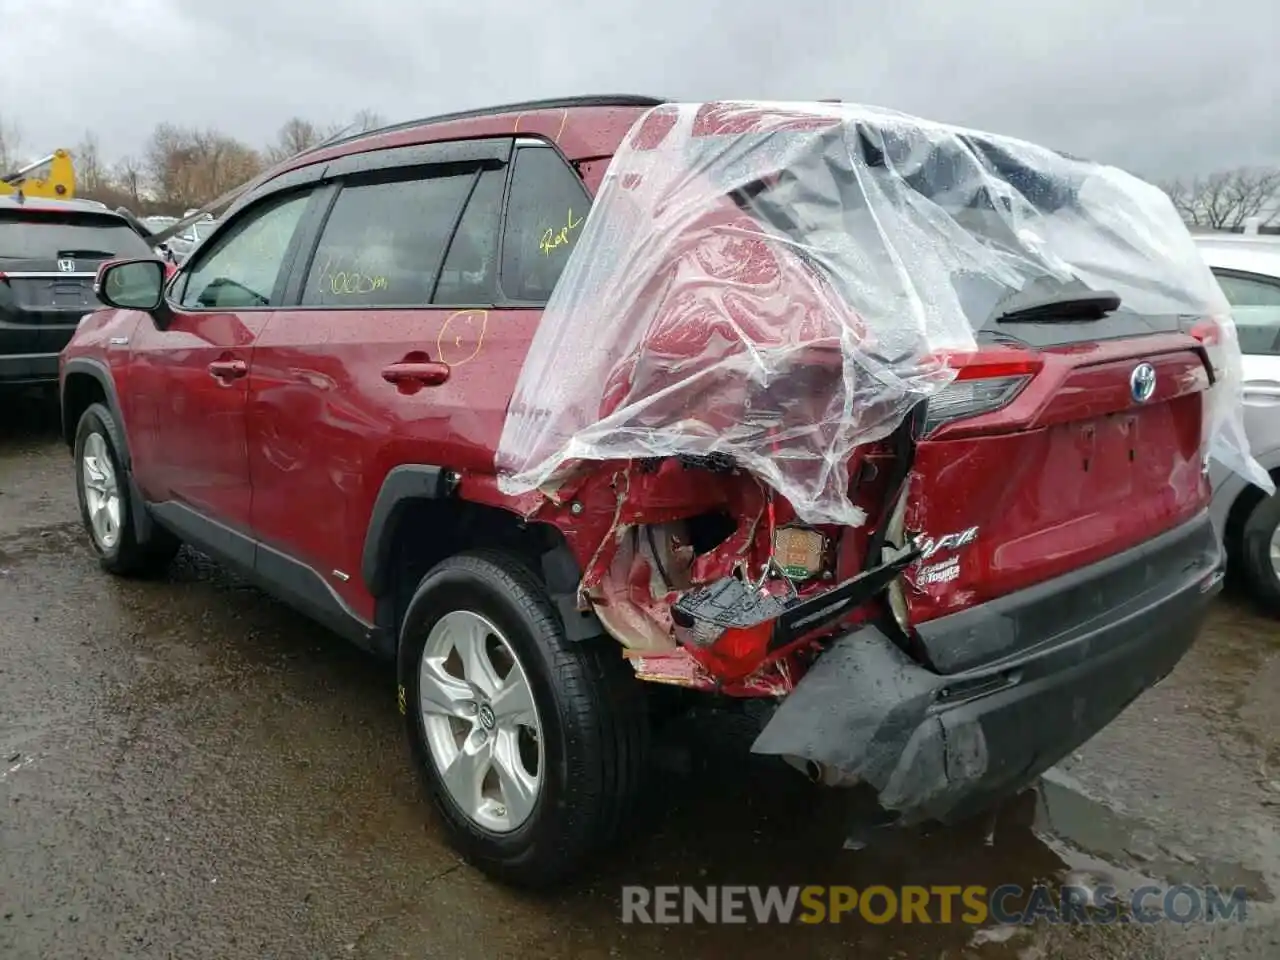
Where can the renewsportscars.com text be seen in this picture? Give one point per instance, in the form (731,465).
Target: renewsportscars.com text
(972,904)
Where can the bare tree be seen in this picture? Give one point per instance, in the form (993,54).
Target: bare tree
(10,147)
(1227,199)
(366,120)
(188,168)
(92,176)
(296,135)
(131,181)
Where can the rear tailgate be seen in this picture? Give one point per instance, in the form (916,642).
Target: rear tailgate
(48,260)
(1078,467)
(41,303)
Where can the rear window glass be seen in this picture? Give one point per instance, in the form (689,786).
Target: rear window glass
(49,237)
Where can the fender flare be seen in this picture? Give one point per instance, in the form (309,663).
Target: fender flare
(100,372)
(410,482)
(401,486)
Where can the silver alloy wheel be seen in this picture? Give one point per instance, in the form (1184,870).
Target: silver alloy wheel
(480,720)
(1275,550)
(101,491)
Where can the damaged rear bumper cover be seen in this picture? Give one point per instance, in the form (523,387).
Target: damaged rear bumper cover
(946,746)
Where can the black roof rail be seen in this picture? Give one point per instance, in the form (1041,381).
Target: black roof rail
(556,103)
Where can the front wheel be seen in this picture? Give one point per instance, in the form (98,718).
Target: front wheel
(102,487)
(530,746)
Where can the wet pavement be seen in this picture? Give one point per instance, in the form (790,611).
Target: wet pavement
(189,769)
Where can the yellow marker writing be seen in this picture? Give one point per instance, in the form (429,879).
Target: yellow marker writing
(552,237)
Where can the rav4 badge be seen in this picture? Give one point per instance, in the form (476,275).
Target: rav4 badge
(948,541)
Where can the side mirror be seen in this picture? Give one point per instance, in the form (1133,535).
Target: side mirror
(131,284)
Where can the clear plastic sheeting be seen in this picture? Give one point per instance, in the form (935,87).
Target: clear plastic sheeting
(778,283)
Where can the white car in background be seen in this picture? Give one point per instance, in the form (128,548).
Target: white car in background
(182,245)
(1247,267)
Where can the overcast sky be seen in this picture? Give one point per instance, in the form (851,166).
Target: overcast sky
(1189,87)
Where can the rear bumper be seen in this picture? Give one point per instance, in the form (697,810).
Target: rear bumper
(26,368)
(945,746)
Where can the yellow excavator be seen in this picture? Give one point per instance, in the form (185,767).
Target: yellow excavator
(58,182)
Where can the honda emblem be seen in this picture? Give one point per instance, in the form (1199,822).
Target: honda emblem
(67,266)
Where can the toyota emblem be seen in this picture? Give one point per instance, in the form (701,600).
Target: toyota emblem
(1142,382)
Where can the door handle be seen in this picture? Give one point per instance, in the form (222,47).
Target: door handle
(1262,388)
(228,369)
(426,373)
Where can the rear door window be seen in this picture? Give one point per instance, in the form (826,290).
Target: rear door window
(545,213)
(470,273)
(54,236)
(1255,308)
(383,243)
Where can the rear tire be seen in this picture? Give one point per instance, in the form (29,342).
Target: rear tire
(1260,554)
(103,490)
(585,722)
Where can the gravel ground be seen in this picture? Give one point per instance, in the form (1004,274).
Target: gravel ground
(189,769)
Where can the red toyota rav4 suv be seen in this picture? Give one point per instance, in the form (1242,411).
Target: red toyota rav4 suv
(318,398)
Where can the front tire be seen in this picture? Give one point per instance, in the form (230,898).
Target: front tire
(530,746)
(102,488)
(1260,553)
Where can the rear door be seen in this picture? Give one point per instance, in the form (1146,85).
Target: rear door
(412,320)
(48,261)
(189,376)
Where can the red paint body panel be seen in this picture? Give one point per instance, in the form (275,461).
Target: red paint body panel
(188,426)
(1070,472)
(325,427)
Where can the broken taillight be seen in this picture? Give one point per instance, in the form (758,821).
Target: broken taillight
(732,626)
(1208,330)
(985,381)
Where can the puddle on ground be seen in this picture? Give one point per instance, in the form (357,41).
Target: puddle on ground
(1092,838)
(721,821)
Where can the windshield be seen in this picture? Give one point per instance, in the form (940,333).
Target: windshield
(202,228)
(45,236)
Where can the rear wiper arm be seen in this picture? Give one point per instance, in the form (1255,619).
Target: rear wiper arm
(1062,306)
(85,253)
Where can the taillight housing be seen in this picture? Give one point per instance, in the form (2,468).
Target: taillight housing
(984,382)
(1208,330)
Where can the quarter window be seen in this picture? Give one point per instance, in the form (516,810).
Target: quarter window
(242,269)
(545,214)
(384,242)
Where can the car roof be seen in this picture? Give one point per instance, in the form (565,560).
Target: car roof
(41,204)
(1251,253)
(582,127)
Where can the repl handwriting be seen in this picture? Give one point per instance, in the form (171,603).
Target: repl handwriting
(552,237)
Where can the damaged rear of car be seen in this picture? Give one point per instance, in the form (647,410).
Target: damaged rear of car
(904,426)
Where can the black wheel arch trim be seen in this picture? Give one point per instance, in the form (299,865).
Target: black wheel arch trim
(401,486)
(100,372)
(420,481)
